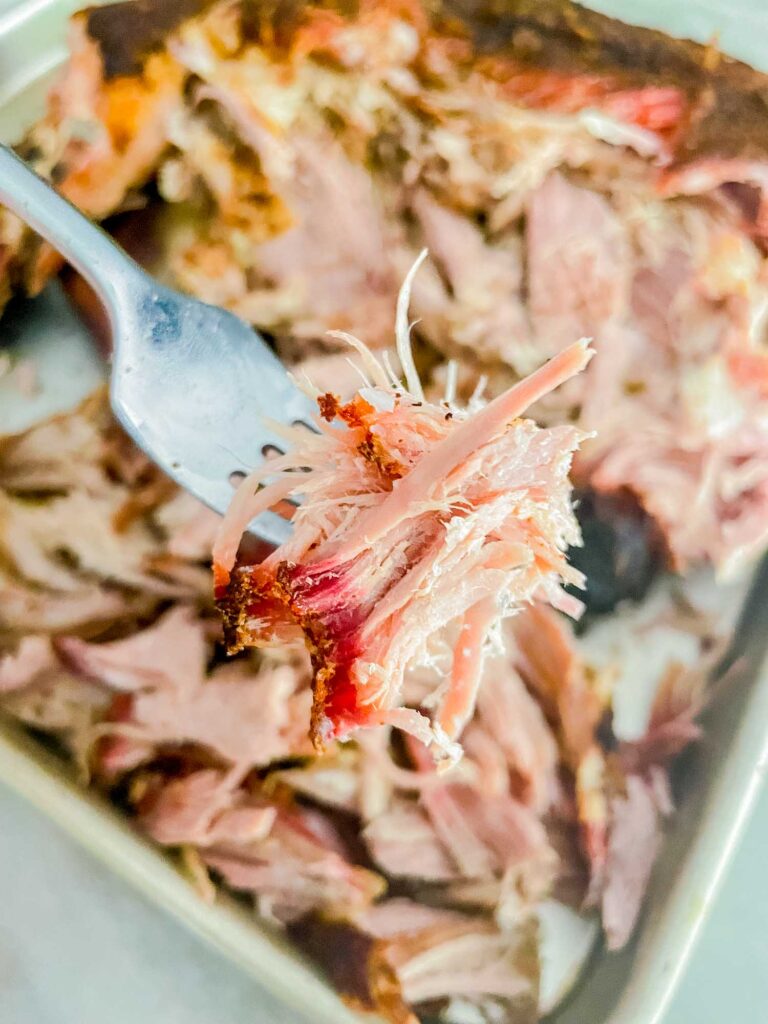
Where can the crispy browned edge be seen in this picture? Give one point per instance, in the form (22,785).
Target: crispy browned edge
(128,32)
(556,34)
(731,97)
(729,100)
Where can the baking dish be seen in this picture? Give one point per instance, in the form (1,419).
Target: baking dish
(717,784)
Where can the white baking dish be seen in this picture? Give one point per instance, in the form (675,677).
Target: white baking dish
(717,781)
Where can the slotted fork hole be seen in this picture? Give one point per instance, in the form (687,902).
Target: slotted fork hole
(271,451)
(285,508)
(305,424)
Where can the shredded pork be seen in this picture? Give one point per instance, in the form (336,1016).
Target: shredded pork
(307,155)
(289,162)
(420,525)
(212,758)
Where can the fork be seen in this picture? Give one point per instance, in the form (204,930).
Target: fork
(193,385)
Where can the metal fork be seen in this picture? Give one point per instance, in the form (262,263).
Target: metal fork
(190,383)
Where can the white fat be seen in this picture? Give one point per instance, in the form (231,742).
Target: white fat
(719,600)
(700,179)
(494,640)
(403,81)
(450,145)
(405,38)
(565,942)
(758,325)
(369,670)
(638,648)
(351,51)
(457,529)
(462,1011)
(710,399)
(448,753)
(617,133)
(194,54)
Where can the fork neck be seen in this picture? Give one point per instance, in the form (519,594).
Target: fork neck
(82,243)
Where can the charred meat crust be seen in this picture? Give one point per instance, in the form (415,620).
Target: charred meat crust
(567,37)
(127,33)
(233,603)
(330,650)
(622,553)
(729,99)
(356,965)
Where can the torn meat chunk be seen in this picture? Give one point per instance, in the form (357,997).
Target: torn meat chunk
(481,308)
(244,716)
(635,838)
(406,954)
(578,270)
(290,859)
(418,521)
(405,845)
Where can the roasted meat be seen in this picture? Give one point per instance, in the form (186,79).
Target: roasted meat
(550,805)
(421,526)
(572,177)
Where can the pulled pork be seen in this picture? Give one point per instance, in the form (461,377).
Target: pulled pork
(571,177)
(421,525)
(305,153)
(419,891)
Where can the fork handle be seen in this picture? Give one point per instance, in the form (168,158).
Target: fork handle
(82,243)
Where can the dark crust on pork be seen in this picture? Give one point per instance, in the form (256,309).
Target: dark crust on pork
(623,551)
(372,449)
(127,33)
(356,965)
(726,100)
(569,38)
(730,99)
